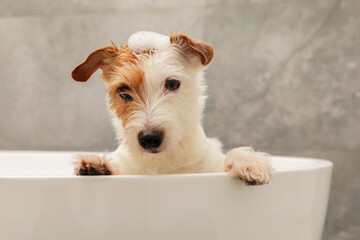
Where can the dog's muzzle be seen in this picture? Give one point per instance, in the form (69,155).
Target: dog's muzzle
(150,140)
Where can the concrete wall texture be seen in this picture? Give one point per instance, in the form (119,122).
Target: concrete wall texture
(285,78)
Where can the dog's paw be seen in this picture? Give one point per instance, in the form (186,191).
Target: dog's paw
(91,165)
(251,167)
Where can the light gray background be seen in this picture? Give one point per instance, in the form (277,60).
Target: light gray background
(285,78)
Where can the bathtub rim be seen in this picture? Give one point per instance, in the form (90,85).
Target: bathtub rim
(317,165)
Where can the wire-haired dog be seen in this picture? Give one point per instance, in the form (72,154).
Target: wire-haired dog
(156,92)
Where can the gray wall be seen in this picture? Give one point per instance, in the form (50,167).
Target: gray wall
(285,78)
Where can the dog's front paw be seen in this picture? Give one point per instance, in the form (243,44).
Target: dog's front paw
(251,167)
(91,165)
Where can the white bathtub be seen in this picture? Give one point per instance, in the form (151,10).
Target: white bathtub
(41,200)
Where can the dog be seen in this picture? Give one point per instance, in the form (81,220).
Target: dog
(156,95)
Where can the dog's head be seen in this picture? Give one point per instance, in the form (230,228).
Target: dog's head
(155,88)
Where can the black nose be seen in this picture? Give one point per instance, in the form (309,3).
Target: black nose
(150,140)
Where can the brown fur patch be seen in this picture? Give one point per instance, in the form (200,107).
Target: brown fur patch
(120,67)
(118,63)
(131,76)
(123,70)
(96,59)
(192,47)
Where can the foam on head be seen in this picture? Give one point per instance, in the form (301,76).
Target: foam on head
(144,41)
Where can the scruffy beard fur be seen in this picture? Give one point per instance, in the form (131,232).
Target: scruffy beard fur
(177,114)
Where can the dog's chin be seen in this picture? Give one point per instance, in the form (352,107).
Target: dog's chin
(154,151)
(148,152)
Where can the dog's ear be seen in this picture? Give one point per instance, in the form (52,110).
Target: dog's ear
(93,62)
(192,47)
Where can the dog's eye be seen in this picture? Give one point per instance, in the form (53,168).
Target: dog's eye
(126,97)
(123,95)
(172,84)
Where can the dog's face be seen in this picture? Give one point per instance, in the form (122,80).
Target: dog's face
(157,96)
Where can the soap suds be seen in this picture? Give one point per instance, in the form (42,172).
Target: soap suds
(144,41)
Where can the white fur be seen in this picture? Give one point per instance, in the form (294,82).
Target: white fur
(185,148)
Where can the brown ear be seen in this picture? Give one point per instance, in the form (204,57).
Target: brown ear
(191,47)
(93,62)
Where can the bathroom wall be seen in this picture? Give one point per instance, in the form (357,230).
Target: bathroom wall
(285,78)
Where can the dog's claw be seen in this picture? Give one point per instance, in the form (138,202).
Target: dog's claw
(83,171)
(93,171)
(248,182)
(253,182)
